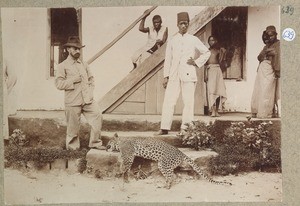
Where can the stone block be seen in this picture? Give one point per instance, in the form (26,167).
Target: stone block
(72,165)
(108,163)
(171,138)
(58,164)
(201,158)
(38,166)
(40,131)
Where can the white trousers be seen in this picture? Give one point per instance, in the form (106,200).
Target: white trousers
(171,96)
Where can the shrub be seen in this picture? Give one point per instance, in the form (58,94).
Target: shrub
(19,156)
(18,153)
(198,135)
(246,147)
(242,146)
(18,138)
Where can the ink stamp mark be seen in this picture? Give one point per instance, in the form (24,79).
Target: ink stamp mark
(288,34)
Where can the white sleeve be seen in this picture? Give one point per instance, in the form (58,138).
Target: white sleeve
(168,59)
(205,53)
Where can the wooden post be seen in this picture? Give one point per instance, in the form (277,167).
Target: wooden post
(120,36)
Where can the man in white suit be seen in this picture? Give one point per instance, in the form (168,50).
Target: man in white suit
(180,66)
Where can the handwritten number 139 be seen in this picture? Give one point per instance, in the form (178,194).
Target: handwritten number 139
(287,10)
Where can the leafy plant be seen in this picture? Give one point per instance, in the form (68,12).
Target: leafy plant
(18,138)
(198,135)
(18,156)
(246,146)
(255,138)
(242,146)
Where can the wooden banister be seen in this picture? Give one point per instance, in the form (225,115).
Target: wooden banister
(150,66)
(120,36)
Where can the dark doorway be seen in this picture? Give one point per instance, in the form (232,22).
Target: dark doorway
(230,27)
(64,23)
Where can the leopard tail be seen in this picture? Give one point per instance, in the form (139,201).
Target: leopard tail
(201,173)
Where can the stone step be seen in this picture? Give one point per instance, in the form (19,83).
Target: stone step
(48,128)
(55,120)
(103,164)
(107,164)
(170,138)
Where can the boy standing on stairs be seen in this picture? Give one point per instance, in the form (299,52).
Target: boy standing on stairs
(180,73)
(74,76)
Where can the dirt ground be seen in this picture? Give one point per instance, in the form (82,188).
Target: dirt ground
(59,186)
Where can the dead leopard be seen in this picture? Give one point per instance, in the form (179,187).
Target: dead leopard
(167,156)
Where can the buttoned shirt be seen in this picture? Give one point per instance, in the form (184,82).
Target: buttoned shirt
(79,93)
(179,49)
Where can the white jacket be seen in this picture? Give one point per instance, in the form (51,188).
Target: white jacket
(179,49)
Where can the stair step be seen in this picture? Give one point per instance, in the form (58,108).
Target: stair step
(170,138)
(107,164)
(48,128)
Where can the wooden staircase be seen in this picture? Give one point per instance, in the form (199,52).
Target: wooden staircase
(150,66)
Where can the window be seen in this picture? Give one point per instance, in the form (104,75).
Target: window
(229,27)
(63,23)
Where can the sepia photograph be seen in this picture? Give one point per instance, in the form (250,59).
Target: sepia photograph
(142,104)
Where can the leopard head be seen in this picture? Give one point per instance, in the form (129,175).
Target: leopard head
(112,145)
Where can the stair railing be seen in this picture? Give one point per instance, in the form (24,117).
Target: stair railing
(120,36)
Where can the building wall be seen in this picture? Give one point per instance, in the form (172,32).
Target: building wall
(26,41)
(25,33)
(239,93)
